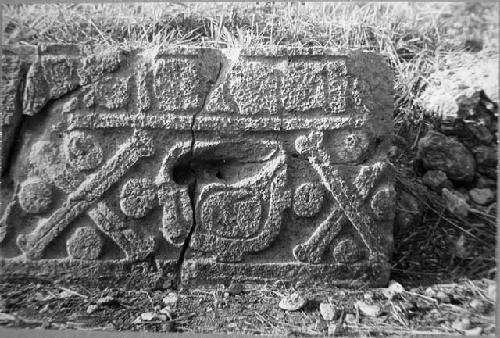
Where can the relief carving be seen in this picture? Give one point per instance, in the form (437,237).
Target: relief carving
(250,164)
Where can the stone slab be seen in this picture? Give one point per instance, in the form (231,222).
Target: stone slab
(196,165)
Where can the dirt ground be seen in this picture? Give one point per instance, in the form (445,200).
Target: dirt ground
(466,307)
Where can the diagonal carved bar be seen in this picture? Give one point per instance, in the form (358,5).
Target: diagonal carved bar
(196,165)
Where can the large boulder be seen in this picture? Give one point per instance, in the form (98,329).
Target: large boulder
(439,152)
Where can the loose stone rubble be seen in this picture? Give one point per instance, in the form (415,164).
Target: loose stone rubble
(196,165)
(460,155)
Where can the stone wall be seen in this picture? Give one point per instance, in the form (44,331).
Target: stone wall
(196,165)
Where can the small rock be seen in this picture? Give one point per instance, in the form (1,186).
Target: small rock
(482,196)
(441,152)
(443,297)
(367,309)
(167,310)
(327,311)
(429,292)
(350,318)
(474,332)
(393,289)
(479,305)
(110,327)
(106,300)
(461,324)
(235,288)
(92,308)
(148,316)
(436,180)
(171,299)
(292,302)
(455,203)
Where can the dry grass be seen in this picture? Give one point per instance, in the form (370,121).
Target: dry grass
(445,247)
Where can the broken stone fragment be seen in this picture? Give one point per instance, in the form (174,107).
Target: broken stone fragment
(293,302)
(455,203)
(327,311)
(439,152)
(482,196)
(461,324)
(436,180)
(369,310)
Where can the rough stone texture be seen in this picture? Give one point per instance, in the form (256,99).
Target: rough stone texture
(464,142)
(482,196)
(194,163)
(436,180)
(439,152)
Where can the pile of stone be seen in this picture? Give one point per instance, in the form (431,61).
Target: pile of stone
(459,156)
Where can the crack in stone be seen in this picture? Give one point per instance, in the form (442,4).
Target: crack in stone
(192,185)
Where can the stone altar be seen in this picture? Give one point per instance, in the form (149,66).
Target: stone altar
(196,165)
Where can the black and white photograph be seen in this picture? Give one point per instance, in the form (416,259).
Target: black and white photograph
(288,169)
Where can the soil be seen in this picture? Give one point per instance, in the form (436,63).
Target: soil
(250,309)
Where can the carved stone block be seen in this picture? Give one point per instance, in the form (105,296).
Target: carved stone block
(196,165)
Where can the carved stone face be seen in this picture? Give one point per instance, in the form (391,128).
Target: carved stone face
(253,164)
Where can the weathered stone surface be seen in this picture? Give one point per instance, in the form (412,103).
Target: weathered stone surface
(208,165)
(482,196)
(436,180)
(440,152)
(455,202)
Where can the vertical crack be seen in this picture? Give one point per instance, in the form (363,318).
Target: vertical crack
(192,184)
(192,199)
